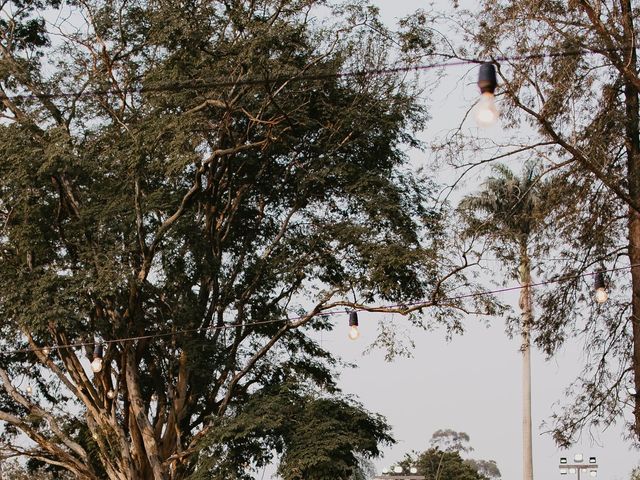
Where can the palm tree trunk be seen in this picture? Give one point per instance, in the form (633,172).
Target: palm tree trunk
(527,319)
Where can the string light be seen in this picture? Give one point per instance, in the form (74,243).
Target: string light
(376,308)
(353,325)
(96,364)
(29,390)
(221,83)
(111,394)
(485,111)
(600,288)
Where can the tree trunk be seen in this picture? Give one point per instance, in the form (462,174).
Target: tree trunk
(633,175)
(527,319)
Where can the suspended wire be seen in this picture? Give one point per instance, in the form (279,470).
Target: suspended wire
(221,83)
(182,86)
(364,308)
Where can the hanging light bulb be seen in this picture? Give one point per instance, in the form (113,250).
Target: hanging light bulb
(29,390)
(353,326)
(601,291)
(111,394)
(46,351)
(96,364)
(485,111)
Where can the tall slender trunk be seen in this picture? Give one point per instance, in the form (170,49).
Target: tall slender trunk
(527,320)
(633,175)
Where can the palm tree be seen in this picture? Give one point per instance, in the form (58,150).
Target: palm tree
(508,213)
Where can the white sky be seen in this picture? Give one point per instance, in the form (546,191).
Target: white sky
(473,383)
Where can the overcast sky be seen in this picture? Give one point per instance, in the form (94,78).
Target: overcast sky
(472,383)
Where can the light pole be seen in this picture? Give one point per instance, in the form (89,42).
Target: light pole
(398,474)
(579,465)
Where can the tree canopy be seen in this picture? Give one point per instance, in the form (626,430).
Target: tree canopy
(568,92)
(198,187)
(443,459)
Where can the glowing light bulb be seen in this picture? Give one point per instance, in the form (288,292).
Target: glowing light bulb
(353,324)
(29,390)
(413,470)
(354,333)
(111,394)
(600,287)
(96,364)
(46,351)
(601,295)
(485,112)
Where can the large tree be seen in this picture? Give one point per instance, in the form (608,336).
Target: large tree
(569,96)
(195,186)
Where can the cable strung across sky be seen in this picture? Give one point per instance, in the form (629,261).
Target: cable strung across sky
(197,84)
(353,319)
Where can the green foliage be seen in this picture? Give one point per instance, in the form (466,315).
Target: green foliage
(202,170)
(435,464)
(443,460)
(509,211)
(572,105)
(318,437)
(449,440)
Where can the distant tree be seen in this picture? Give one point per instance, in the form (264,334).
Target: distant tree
(449,440)
(488,468)
(436,463)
